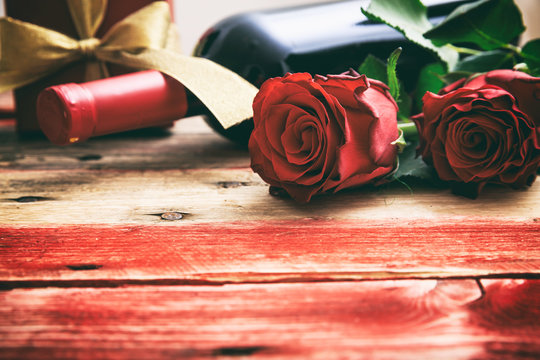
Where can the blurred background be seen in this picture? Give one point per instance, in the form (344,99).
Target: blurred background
(195,17)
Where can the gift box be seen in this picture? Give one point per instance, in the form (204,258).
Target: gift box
(55,15)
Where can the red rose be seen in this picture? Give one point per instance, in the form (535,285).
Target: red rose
(324,134)
(483,130)
(523,87)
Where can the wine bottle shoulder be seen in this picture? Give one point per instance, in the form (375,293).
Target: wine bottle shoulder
(324,38)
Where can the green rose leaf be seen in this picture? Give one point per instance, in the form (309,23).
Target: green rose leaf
(374,68)
(404,104)
(490,24)
(429,80)
(531,55)
(393,82)
(410,18)
(410,166)
(414,168)
(486,61)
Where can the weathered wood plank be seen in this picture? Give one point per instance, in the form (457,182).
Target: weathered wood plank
(211,195)
(420,319)
(190,144)
(265,251)
(197,172)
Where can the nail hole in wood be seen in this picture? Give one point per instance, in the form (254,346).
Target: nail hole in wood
(30,199)
(232,184)
(90,157)
(238,350)
(83,267)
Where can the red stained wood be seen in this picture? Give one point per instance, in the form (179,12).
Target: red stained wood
(267,251)
(413,319)
(508,307)
(245,274)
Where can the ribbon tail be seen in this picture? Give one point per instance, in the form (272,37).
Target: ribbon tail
(228,96)
(87,16)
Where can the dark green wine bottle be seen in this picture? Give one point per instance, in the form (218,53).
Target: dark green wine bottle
(326,38)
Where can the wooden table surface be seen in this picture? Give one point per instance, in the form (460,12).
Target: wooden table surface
(89,267)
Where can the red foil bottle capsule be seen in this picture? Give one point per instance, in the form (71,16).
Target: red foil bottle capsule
(73,113)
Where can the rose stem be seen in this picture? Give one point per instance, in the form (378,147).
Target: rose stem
(409,129)
(464,50)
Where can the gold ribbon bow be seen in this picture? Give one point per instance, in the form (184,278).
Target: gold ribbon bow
(143,40)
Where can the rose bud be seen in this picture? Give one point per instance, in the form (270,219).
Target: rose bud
(483,130)
(323,134)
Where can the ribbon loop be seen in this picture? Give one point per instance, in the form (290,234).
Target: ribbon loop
(142,40)
(87,47)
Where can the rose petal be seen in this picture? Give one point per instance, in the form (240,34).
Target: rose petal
(383,130)
(522,86)
(364,178)
(303,140)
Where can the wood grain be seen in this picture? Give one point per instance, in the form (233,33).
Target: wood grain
(89,268)
(218,195)
(189,144)
(265,251)
(119,180)
(416,319)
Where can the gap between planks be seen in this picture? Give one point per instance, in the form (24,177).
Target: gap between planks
(262,279)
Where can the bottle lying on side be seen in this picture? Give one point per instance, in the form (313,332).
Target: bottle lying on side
(326,38)
(72,113)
